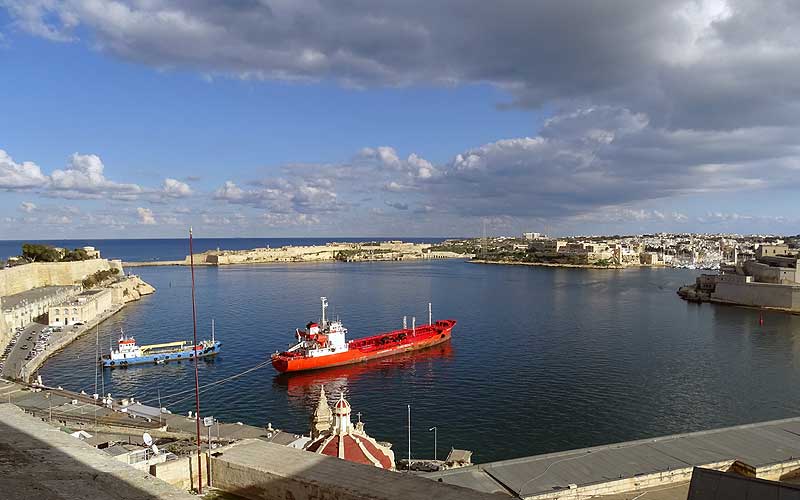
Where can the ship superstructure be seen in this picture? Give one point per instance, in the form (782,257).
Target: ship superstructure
(324,344)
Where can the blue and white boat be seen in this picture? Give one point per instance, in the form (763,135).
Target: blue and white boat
(128,353)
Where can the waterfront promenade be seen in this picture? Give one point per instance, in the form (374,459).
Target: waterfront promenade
(26,370)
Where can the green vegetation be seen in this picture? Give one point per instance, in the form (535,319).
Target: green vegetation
(34,252)
(462,247)
(75,255)
(345,255)
(99,277)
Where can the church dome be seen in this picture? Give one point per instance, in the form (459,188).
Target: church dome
(344,440)
(354,448)
(341,407)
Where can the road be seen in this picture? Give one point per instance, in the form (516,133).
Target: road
(16,358)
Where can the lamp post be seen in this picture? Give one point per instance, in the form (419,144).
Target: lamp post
(435,431)
(409,438)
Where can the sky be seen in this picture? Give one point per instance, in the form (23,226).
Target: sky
(262,118)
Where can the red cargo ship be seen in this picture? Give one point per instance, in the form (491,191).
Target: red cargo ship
(323,344)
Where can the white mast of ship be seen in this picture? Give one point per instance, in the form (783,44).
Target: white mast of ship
(430,314)
(324,306)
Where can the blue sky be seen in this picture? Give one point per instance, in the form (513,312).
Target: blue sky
(137,119)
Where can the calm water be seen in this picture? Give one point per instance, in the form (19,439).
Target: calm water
(541,359)
(139,250)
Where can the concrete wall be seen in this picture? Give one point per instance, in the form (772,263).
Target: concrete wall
(258,470)
(768,274)
(22,278)
(759,295)
(181,473)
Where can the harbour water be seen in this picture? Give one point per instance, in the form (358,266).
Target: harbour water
(542,359)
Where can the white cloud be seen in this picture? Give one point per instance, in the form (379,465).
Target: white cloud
(174,188)
(23,175)
(84,178)
(145,216)
(27,206)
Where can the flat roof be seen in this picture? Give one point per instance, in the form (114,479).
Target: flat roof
(43,462)
(755,444)
(32,295)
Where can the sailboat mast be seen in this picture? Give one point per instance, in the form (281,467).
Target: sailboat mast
(96,355)
(196,375)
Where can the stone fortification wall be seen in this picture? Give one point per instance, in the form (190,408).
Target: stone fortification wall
(759,295)
(768,274)
(26,277)
(388,250)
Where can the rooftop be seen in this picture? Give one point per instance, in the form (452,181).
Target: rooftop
(758,445)
(32,295)
(40,461)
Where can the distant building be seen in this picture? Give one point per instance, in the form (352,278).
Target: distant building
(81,309)
(548,246)
(92,252)
(533,236)
(771,250)
(333,434)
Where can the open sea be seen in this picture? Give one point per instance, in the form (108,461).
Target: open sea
(542,359)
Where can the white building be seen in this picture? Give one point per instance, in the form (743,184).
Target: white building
(81,309)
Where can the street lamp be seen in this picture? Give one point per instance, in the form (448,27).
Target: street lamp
(435,431)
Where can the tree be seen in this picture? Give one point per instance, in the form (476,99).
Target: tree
(75,255)
(33,252)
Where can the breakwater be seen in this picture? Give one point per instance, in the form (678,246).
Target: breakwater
(329,252)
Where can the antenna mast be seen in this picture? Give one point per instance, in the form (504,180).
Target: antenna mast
(324,306)
(196,376)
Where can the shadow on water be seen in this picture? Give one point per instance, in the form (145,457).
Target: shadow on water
(303,388)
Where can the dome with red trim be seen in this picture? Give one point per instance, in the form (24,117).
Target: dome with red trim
(349,442)
(341,407)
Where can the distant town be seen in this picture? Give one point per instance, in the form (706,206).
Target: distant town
(681,250)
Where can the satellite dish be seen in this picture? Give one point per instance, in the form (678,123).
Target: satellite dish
(148,440)
(155,449)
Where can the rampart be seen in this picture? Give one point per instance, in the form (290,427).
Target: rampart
(785,297)
(19,279)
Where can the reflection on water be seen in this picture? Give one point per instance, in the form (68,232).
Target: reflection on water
(542,359)
(302,388)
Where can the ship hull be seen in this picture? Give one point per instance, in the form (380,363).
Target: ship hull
(183,355)
(361,350)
